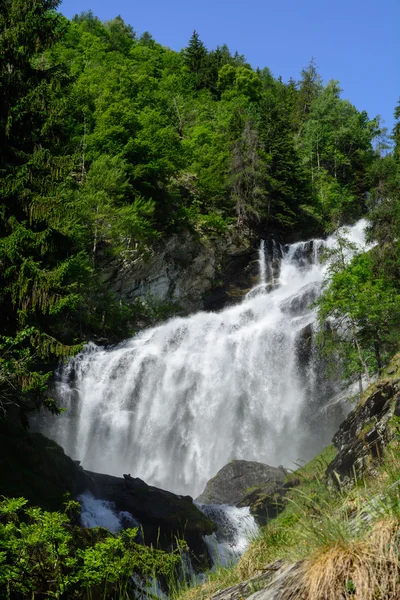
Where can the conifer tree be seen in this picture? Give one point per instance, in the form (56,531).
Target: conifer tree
(195,54)
(40,265)
(310,85)
(195,58)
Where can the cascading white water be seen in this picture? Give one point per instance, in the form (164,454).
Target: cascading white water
(100,513)
(263,263)
(177,402)
(236,529)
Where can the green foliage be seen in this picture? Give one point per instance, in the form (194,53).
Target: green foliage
(18,376)
(45,554)
(359,310)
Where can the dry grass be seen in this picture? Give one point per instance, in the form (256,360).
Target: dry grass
(364,569)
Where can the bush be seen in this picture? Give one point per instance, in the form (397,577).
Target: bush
(44,554)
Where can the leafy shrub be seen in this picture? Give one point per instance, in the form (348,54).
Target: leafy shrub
(45,554)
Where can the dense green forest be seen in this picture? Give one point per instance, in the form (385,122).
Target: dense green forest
(110,142)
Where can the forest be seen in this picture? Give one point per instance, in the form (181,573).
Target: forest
(110,142)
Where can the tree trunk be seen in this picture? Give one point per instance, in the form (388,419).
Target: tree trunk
(360,357)
(95,236)
(378,357)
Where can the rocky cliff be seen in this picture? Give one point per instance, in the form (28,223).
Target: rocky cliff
(363,436)
(193,272)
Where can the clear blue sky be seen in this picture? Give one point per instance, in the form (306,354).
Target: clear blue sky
(354,41)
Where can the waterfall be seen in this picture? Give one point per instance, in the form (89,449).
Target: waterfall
(263,263)
(177,402)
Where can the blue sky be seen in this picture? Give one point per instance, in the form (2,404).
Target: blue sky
(354,41)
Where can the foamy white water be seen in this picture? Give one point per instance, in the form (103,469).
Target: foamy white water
(263,263)
(236,529)
(177,402)
(100,513)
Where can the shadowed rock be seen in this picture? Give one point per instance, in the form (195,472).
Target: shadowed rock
(163,516)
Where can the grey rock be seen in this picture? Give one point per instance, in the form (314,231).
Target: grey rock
(275,582)
(247,483)
(283,584)
(363,434)
(235,480)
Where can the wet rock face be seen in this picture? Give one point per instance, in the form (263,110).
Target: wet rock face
(184,270)
(246,483)
(299,303)
(237,275)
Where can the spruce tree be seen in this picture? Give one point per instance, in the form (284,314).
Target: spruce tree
(195,54)
(40,264)
(195,59)
(310,85)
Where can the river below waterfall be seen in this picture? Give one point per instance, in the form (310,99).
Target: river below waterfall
(177,402)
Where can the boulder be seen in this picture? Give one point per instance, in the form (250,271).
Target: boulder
(247,483)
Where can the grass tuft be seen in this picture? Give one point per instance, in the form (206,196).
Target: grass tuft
(362,569)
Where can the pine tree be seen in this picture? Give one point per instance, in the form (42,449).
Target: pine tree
(195,58)
(310,85)
(40,265)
